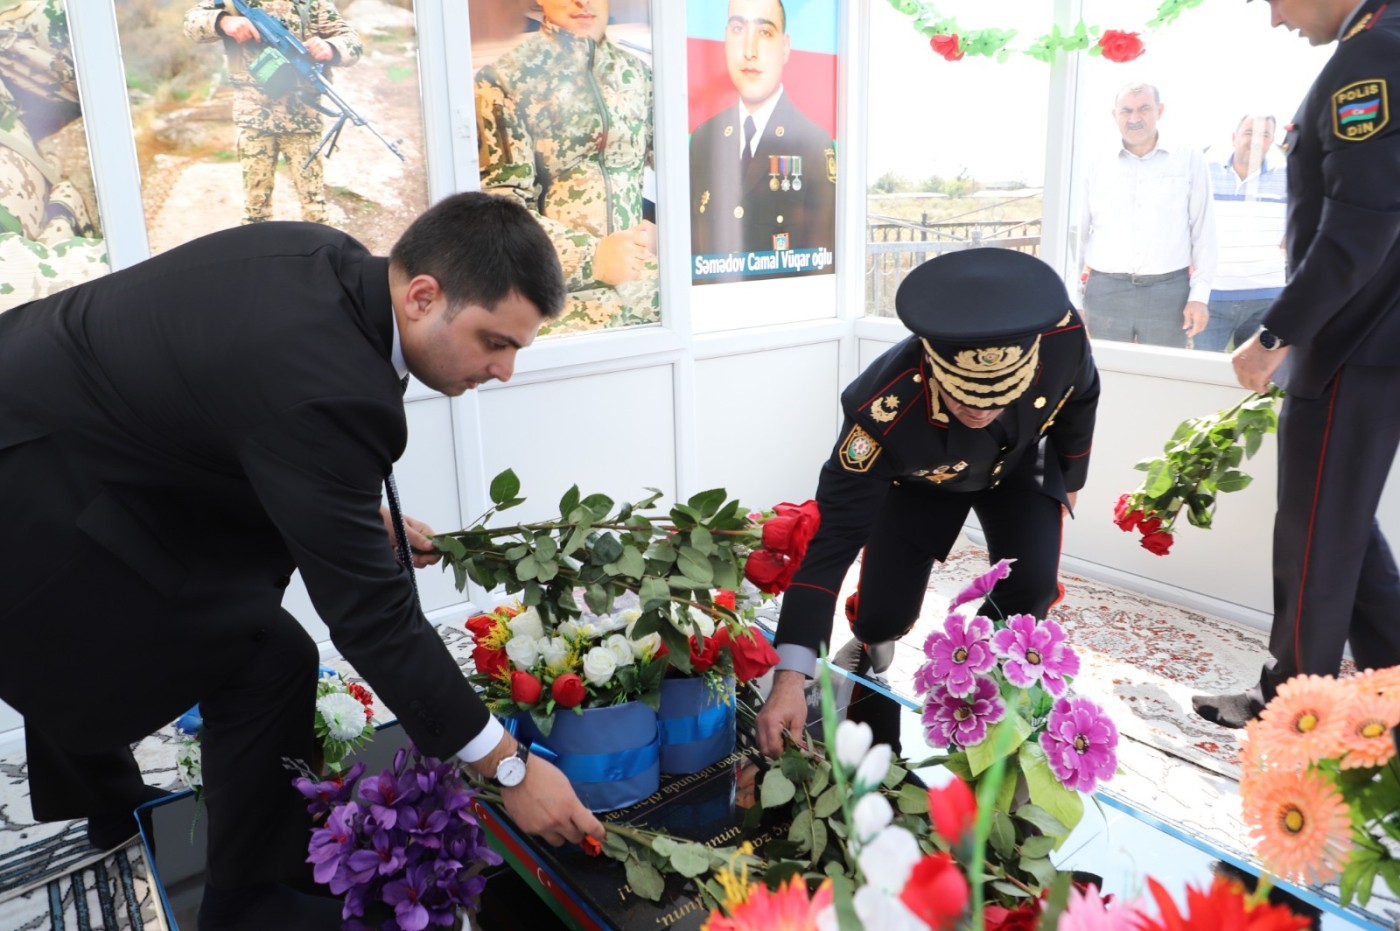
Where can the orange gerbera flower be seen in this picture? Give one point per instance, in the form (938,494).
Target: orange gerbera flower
(1366,729)
(1303,723)
(787,909)
(1224,905)
(1300,821)
(1381,681)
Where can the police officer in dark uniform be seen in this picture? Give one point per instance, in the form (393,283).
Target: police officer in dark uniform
(762,175)
(1336,325)
(988,407)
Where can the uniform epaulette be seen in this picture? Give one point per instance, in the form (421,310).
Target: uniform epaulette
(894,399)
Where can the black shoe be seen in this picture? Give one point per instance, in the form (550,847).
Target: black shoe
(1233,711)
(267,906)
(110,831)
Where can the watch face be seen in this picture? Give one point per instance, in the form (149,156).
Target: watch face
(511,771)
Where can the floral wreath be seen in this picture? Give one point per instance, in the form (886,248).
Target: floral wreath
(953,43)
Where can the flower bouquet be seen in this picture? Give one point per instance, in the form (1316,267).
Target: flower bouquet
(405,847)
(1201,460)
(1320,782)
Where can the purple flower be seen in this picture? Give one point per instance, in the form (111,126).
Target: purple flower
(406,894)
(1035,650)
(328,793)
(984,584)
(952,720)
(956,655)
(330,845)
(1079,742)
(387,794)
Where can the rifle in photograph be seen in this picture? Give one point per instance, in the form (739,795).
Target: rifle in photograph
(284,60)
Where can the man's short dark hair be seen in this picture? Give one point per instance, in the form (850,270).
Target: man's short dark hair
(481,248)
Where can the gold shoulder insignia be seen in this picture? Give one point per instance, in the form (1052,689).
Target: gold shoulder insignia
(1065,320)
(1360,110)
(1362,25)
(858,451)
(1050,421)
(885,409)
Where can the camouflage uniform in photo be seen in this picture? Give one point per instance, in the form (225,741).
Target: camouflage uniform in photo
(269,125)
(48,237)
(564,124)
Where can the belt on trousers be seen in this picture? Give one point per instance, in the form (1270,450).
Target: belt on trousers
(1138,279)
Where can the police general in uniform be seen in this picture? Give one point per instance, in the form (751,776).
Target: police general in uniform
(1331,336)
(271,123)
(762,175)
(989,408)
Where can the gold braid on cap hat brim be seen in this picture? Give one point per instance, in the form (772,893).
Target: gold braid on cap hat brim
(979,364)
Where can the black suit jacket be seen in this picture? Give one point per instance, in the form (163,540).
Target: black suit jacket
(734,211)
(214,417)
(1342,301)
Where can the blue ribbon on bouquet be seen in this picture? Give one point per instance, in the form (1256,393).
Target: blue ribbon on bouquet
(605,781)
(717,719)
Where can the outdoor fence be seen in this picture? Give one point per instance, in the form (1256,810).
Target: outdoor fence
(893,247)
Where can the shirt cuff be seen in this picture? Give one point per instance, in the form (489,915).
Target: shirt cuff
(483,743)
(797,658)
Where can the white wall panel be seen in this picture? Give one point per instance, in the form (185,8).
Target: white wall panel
(612,433)
(767,421)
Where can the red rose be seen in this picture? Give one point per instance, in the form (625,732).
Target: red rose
(591,846)
(1025,918)
(953,809)
(704,658)
(724,599)
(1125,518)
(1159,543)
(482,625)
(568,690)
(1147,525)
(936,891)
(753,655)
(1120,46)
(796,525)
(525,689)
(771,572)
(491,662)
(948,46)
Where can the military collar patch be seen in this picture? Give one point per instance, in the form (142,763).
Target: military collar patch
(1360,110)
(858,451)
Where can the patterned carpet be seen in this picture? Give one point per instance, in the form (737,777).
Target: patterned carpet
(1141,658)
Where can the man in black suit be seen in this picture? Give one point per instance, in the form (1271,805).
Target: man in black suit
(1331,337)
(175,439)
(988,407)
(762,175)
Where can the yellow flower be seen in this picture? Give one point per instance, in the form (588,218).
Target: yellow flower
(1303,722)
(1300,822)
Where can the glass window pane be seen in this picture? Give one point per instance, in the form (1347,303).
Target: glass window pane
(956,154)
(234,127)
(50,233)
(1149,163)
(564,120)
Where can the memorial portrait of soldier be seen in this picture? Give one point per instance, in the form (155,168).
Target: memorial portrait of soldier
(564,125)
(762,173)
(245,111)
(49,233)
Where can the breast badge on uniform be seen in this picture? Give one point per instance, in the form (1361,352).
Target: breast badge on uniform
(858,451)
(885,409)
(944,473)
(1360,110)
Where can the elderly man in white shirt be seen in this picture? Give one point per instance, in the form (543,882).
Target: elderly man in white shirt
(1147,238)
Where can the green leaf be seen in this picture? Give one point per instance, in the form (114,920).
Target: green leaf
(547,571)
(691,860)
(707,502)
(1234,481)
(597,599)
(821,778)
(777,789)
(568,502)
(607,548)
(912,800)
(780,872)
(545,547)
(598,506)
(661,550)
(1042,819)
(1007,734)
(795,767)
(828,803)
(1003,834)
(1038,846)
(631,563)
(664,845)
(1041,868)
(504,487)
(614,846)
(654,593)
(450,545)
(695,567)
(819,840)
(527,569)
(702,541)
(1159,479)
(645,880)
(800,831)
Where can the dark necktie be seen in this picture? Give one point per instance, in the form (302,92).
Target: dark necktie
(749,131)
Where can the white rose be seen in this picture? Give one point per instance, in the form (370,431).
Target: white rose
(630,616)
(871,815)
(613,622)
(580,630)
(599,666)
(620,647)
(527,623)
(555,651)
(524,652)
(888,860)
(644,647)
(703,622)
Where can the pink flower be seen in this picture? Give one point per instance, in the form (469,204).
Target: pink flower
(957,655)
(984,584)
(1079,742)
(1035,651)
(950,720)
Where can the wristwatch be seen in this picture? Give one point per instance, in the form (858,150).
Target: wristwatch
(511,770)
(1270,341)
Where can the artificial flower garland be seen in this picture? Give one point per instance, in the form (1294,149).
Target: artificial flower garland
(951,42)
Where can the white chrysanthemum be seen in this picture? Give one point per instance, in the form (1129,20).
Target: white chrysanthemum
(555,651)
(872,814)
(703,622)
(599,666)
(527,623)
(189,764)
(888,860)
(524,652)
(853,739)
(344,715)
(621,649)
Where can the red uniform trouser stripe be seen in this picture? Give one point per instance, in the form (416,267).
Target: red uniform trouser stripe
(1312,521)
